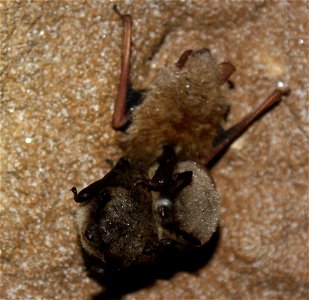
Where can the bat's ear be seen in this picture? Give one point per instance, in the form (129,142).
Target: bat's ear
(180,64)
(183,59)
(226,69)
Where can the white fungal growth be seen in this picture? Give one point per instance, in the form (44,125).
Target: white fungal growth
(197,205)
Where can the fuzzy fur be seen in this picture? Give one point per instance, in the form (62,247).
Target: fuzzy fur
(184,108)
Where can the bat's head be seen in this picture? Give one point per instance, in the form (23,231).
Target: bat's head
(202,62)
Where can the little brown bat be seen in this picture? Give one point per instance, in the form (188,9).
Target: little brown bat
(161,195)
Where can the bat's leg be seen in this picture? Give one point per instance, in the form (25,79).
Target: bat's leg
(126,95)
(94,188)
(230,135)
(164,174)
(165,181)
(120,117)
(180,182)
(163,177)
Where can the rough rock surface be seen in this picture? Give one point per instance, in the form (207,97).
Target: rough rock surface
(59,73)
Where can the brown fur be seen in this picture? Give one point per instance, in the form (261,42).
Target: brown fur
(184,107)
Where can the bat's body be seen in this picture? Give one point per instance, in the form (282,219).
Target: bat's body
(161,196)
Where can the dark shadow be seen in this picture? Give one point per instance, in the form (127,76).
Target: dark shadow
(138,277)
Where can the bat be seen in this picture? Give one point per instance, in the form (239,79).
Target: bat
(161,195)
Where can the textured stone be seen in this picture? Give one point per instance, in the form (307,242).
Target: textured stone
(59,72)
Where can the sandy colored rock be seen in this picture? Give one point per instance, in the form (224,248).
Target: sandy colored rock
(59,72)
